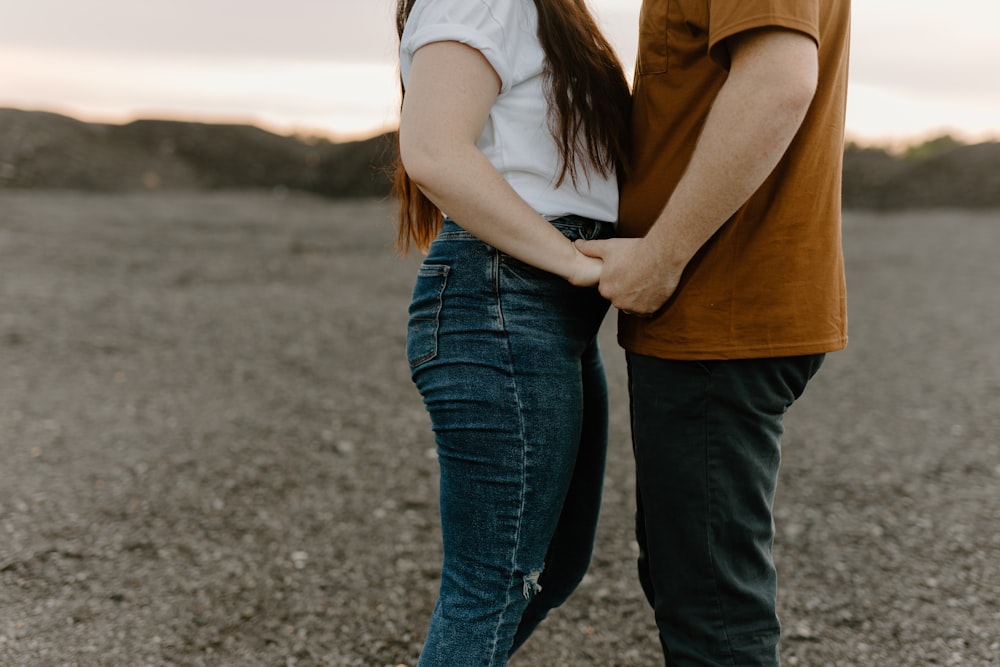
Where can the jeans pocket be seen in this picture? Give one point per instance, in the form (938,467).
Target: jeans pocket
(425,313)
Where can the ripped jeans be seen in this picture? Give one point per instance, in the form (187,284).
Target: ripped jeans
(505,356)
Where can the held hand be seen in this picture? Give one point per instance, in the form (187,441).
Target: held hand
(585,271)
(632,279)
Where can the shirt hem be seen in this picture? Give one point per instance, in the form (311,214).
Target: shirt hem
(690,353)
(452,32)
(763,21)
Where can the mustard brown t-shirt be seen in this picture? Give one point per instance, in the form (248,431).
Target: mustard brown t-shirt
(770,282)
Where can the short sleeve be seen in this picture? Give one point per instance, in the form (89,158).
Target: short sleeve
(731,17)
(472,22)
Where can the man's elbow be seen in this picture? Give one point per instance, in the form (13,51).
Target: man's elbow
(790,83)
(800,85)
(786,94)
(778,67)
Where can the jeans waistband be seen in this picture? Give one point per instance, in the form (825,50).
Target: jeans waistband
(576,226)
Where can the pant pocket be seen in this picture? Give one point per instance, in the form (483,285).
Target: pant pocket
(425,313)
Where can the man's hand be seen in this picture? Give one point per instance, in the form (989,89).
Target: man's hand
(633,278)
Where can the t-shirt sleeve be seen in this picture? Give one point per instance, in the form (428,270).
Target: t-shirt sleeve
(731,17)
(471,22)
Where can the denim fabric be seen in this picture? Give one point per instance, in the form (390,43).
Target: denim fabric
(706,436)
(505,356)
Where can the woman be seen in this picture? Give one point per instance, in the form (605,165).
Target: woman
(513,122)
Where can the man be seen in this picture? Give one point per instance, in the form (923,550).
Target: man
(730,283)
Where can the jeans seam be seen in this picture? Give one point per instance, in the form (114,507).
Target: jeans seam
(495,282)
(509,354)
(711,514)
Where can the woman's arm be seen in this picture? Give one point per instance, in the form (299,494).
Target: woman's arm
(449,94)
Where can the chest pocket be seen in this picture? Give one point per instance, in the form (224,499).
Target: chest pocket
(653,36)
(670,30)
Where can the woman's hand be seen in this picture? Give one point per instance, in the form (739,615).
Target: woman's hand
(584,271)
(634,279)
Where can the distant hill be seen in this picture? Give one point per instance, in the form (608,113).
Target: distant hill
(939,173)
(46,150)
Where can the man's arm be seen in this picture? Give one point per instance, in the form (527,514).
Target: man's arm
(771,83)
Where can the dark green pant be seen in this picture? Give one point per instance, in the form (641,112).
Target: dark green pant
(706,437)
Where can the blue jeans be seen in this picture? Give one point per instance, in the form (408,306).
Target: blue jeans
(706,436)
(505,356)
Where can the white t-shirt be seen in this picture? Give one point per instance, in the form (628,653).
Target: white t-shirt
(517,138)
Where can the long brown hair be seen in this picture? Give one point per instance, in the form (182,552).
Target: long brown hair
(589,109)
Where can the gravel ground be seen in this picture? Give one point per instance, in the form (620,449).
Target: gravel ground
(212,453)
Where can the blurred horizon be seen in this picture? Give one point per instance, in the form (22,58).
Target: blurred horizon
(329,70)
(889,144)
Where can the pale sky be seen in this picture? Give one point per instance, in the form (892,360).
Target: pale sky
(919,68)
